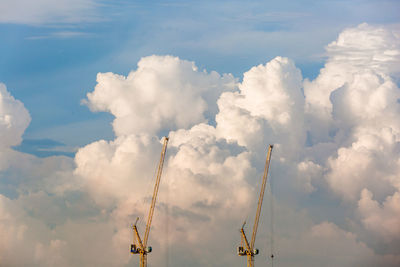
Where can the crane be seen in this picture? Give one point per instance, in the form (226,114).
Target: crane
(139,246)
(248,248)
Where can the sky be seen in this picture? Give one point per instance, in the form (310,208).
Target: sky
(88,89)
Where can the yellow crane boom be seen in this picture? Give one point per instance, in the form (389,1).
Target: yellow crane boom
(139,246)
(249,249)
(155,192)
(260,199)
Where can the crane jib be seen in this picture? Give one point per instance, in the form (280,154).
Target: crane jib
(260,199)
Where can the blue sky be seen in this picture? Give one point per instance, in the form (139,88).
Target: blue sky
(50,57)
(89,87)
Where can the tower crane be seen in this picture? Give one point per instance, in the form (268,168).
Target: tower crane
(139,246)
(248,248)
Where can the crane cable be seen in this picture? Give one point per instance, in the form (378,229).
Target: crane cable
(148,192)
(272,221)
(167,226)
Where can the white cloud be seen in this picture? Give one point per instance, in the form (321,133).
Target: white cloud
(31,189)
(47,11)
(354,105)
(308,171)
(366,47)
(349,114)
(115,170)
(369,162)
(325,244)
(268,107)
(341,138)
(381,219)
(201,177)
(163,93)
(360,107)
(358,52)
(330,242)
(14,119)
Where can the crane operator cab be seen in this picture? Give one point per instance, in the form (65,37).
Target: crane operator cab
(134,250)
(241,251)
(137,250)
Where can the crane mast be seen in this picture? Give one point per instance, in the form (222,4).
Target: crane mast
(249,250)
(139,246)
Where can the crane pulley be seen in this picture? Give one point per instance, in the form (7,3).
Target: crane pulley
(139,246)
(249,250)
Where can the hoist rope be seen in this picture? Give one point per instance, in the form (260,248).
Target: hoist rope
(272,221)
(148,195)
(167,225)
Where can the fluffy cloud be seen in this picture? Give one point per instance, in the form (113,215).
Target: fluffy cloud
(108,167)
(17,169)
(354,105)
(267,108)
(117,173)
(163,93)
(343,128)
(331,246)
(366,47)
(14,119)
(382,219)
(359,55)
(31,194)
(335,165)
(359,49)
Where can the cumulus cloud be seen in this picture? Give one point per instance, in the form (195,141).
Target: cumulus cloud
(163,93)
(31,194)
(343,128)
(267,108)
(203,173)
(331,246)
(335,163)
(14,118)
(354,106)
(360,51)
(366,47)
(107,167)
(308,172)
(382,219)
